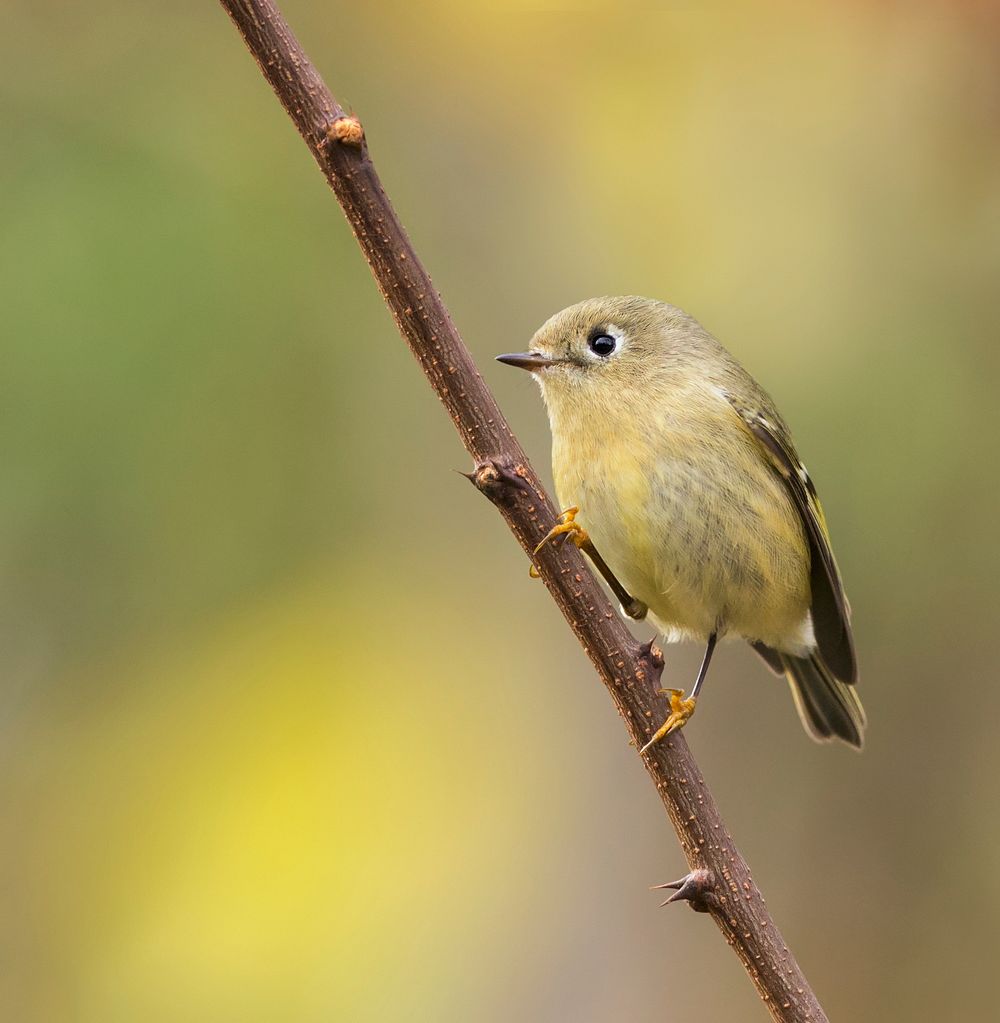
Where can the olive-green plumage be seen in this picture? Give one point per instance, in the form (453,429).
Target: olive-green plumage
(689,486)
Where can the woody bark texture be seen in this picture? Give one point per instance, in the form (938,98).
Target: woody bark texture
(719,883)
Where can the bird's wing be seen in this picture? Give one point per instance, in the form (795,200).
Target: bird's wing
(831,613)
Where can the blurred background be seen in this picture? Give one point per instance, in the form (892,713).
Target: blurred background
(286,731)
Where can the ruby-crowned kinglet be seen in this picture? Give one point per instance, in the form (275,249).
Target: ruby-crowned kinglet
(676,466)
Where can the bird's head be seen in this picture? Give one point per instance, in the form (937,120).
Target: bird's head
(605,348)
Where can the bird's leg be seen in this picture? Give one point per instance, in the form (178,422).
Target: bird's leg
(632,606)
(566,523)
(680,708)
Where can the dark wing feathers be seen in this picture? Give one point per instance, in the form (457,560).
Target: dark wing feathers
(771,657)
(830,612)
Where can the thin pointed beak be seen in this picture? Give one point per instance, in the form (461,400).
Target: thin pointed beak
(528,360)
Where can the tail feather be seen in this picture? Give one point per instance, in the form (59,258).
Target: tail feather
(828,708)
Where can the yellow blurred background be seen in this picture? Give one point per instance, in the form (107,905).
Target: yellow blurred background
(286,732)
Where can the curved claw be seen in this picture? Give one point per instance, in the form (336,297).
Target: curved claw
(680,711)
(565,523)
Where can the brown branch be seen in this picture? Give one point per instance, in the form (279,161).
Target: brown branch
(720,881)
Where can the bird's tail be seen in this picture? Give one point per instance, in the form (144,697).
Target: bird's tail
(827,707)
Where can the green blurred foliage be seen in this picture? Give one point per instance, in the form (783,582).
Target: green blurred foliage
(286,731)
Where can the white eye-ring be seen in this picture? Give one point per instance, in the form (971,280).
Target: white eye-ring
(602,342)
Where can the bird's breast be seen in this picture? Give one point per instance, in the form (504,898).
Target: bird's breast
(693,524)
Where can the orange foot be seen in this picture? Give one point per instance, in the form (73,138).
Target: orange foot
(680,711)
(565,523)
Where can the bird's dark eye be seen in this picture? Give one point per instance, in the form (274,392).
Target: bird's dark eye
(602,345)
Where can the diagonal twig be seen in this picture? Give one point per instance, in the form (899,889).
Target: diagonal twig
(720,882)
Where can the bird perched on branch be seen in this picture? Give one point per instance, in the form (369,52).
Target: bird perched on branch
(676,466)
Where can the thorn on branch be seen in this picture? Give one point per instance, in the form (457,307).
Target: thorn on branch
(496,481)
(346,130)
(696,888)
(653,655)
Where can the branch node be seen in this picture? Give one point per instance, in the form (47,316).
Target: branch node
(653,656)
(496,480)
(346,130)
(696,888)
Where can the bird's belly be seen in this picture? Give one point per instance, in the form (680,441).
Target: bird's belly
(704,552)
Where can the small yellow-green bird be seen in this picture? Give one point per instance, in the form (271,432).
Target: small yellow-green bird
(674,465)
